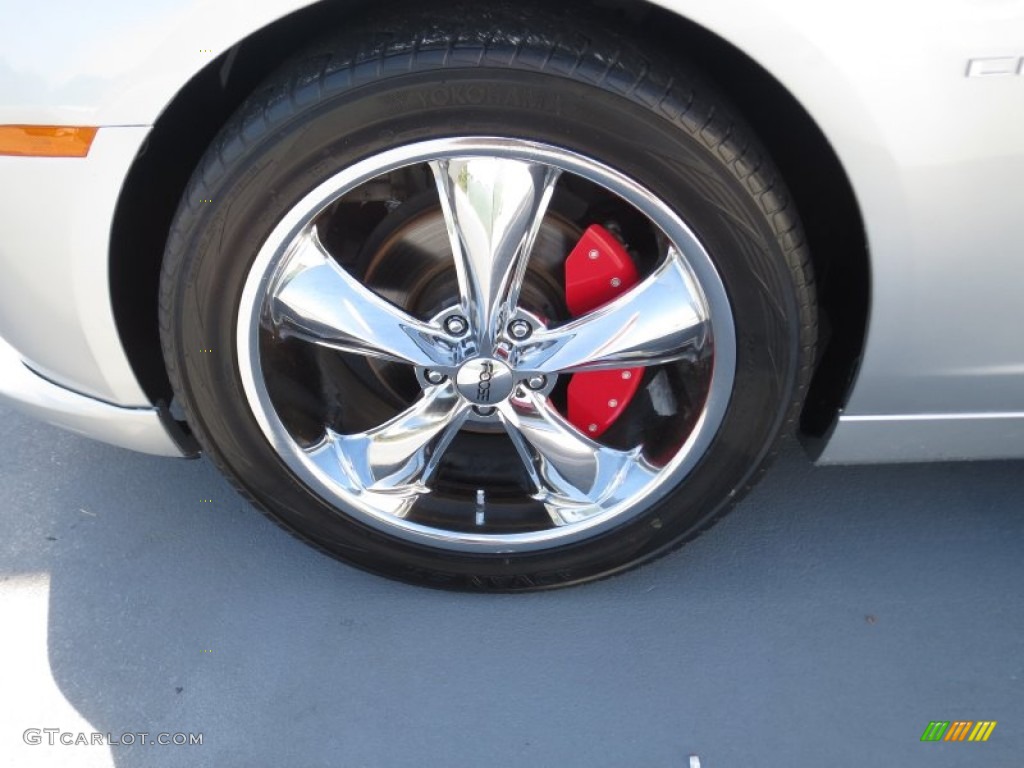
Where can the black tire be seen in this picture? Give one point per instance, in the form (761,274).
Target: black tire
(591,90)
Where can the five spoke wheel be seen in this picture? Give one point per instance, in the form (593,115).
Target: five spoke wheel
(485,361)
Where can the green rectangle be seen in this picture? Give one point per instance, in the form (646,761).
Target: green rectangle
(935,731)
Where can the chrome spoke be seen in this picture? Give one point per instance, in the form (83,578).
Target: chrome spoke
(395,460)
(576,478)
(656,322)
(493,208)
(315,299)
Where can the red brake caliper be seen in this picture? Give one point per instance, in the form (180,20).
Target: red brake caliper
(597,271)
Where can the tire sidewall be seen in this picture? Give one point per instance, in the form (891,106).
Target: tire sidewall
(256,183)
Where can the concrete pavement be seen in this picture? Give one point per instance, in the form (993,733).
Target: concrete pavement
(825,622)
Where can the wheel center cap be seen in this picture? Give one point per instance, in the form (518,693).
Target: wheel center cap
(484,381)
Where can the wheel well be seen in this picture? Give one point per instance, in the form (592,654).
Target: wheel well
(816,179)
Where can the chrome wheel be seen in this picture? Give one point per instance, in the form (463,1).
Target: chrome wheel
(459,348)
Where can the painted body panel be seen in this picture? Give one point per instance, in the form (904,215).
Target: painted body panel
(115,62)
(925,437)
(55,305)
(935,159)
(139,429)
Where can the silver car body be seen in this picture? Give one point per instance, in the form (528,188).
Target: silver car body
(922,104)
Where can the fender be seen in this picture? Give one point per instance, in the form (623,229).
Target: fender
(933,156)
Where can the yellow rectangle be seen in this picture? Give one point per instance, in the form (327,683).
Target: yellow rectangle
(983,730)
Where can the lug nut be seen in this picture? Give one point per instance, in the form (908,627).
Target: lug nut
(456,325)
(483,410)
(519,329)
(434,377)
(537,382)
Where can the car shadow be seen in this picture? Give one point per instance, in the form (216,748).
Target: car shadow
(825,621)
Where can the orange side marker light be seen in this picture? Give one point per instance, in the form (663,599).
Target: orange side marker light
(46,140)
